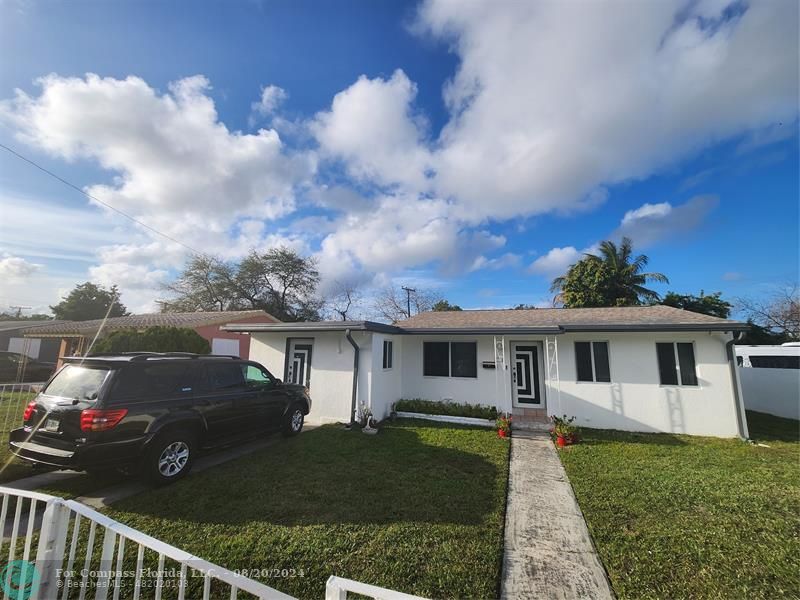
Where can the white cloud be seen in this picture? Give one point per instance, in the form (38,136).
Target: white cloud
(557,260)
(508,260)
(653,223)
(647,225)
(177,166)
(538,124)
(17,268)
(272,97)
(372,127)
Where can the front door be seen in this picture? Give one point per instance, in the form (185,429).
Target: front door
(525,375)
(298,362)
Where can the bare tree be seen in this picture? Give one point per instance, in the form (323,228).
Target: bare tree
(392,303)
(779,313)
(344,301)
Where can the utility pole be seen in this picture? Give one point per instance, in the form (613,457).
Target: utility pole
(19,310)
(408,299)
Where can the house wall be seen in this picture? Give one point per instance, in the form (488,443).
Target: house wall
(486,389)
(634,400)
(386,383)
(331,374)
(210,332)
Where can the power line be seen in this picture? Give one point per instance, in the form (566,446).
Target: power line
(106,204)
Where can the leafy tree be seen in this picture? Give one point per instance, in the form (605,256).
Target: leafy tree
(758,336)
(712,304)
(279,281)
(89,301)
(206,283)
(614,278)
(524,307)
(444,306)
(153,339)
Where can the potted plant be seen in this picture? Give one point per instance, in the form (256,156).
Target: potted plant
(563,430)
(503,423)
(367,420)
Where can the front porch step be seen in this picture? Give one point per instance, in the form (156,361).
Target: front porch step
(534,419)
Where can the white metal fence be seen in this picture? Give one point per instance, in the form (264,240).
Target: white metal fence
(77,550)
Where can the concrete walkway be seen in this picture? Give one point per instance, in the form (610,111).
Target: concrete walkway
(548,551)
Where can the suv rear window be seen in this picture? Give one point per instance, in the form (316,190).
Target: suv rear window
(78,382)
(143,381)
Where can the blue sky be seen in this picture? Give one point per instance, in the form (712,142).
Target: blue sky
(470,150)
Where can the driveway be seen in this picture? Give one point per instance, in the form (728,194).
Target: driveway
(548,550)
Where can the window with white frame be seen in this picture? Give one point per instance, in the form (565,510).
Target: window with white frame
(591,359)
(450,359)
(676,363)
(387,353)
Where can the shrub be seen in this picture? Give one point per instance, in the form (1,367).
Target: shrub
(153,339)
(452,409)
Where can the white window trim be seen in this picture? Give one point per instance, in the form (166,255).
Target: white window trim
(591,355)
(449,359)
(680,383)
(391,354)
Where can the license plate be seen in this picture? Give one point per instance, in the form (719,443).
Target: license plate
(51,425)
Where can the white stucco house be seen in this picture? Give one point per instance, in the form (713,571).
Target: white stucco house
(649,368)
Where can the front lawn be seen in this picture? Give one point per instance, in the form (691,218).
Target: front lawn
(418,508)
(687,517)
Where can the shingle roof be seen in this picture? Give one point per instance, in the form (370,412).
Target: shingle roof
(628,317)
(188,319)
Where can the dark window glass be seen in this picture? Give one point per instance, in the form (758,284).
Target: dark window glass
(141,381)
(225,376)
(601,370)
(583,358)
(436,358)
(686,362)
(387,354)
(774,362)
(464,359)
(666,364)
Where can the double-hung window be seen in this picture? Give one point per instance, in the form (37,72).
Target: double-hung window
(592,361)
(676,363)
(388,348)
(450,359)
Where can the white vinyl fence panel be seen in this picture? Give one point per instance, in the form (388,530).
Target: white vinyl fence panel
(773,391)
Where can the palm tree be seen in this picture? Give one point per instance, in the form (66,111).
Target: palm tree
(623,279)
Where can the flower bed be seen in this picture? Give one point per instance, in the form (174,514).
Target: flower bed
(452,409)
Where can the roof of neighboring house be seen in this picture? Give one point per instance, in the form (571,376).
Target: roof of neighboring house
(539,320)
(314,326)
(190,320)
(12,325)
(652,318)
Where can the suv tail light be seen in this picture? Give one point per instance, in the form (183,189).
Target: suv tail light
(26,416)
(101,420)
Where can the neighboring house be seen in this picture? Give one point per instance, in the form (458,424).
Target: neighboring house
(770,378)
(13,340)
(75,337)
(653,368)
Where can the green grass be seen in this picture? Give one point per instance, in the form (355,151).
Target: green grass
(689,517)
(418,508)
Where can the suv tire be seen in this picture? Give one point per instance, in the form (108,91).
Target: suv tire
(293,421)
(170,457)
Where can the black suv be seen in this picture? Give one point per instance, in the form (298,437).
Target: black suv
(153,411)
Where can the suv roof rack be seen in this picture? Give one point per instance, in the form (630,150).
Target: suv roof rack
(142,356)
